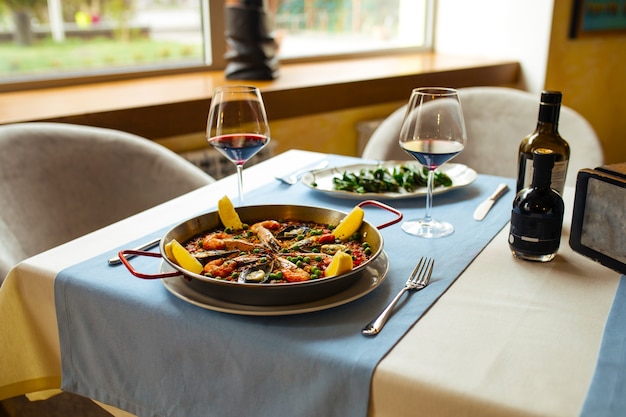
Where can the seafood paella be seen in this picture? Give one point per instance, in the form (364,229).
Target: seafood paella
(276,251)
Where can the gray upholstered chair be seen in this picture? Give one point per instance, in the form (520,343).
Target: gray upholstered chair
(60,181)
(497,119)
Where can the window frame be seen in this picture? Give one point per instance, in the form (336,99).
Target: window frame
(213,17)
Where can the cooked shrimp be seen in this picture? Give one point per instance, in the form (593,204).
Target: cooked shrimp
(262,230)
(215,241)
(241,245)
(295,275)
(267,224)
(224,241)
(291,273)
(221,268)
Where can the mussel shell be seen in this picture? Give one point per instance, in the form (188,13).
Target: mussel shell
(257,273)
(292,231)
(209,255)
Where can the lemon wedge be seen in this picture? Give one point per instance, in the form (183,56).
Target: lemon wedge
(184,259)
(350,224)
(340,264)
(229,217)
(168,251)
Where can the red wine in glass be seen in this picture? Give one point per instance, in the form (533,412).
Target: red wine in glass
(432,153)
(433,132)
(239,147)
(237,125)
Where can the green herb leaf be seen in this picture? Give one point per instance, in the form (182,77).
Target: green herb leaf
(382,180)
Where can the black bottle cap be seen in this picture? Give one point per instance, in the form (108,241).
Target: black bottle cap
(543,159)
(551,97)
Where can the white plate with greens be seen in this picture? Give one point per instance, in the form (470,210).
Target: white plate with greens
(385,180)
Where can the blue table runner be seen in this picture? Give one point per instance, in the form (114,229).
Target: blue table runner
(130,343)
(607,393)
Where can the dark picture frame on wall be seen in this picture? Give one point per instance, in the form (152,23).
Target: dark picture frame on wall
(598,17)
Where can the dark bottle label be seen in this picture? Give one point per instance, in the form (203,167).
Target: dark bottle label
(535,235)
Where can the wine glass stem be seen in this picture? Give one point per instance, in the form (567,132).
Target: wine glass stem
(429,195)
(240,182)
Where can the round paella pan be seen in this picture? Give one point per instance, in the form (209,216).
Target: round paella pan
(279,259)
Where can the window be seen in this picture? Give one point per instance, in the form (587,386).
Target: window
(307,28)
(62,38)
(56,40)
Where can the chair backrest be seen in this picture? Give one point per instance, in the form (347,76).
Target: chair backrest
(497,119)
(60,181)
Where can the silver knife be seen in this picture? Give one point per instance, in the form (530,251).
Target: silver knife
(116,260)
(484,207)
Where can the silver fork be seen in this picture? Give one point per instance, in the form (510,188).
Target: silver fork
(420,277)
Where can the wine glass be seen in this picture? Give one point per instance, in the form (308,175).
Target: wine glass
(433,132)
(237,125)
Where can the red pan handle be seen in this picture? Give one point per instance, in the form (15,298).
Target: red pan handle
(141,275)
(385,207)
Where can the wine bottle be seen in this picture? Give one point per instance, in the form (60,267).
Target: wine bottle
(546,136)
(537,214)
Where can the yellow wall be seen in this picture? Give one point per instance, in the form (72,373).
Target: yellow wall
(591,73)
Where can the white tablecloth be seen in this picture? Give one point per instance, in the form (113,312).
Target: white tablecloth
(508,338)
